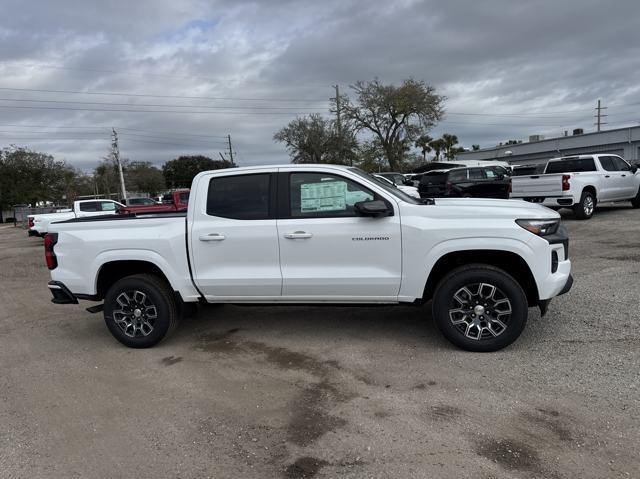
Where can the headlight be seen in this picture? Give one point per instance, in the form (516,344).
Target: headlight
(540,227)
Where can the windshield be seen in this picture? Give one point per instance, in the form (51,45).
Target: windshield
(385,185)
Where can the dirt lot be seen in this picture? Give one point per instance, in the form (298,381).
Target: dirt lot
(291,392)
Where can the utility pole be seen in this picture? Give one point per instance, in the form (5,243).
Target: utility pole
(115,151)
(230,151)
(339,122)
(599,115)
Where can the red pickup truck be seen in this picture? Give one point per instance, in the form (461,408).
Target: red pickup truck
(175,201)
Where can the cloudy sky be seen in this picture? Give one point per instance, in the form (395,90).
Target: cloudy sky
(176,76)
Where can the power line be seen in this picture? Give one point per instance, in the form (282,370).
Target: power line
(120,110)
(79,92)
(160,105)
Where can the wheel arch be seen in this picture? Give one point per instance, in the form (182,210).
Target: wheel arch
(591,189)
(510,262)
(112,271)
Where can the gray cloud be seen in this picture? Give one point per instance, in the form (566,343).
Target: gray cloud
(501,57)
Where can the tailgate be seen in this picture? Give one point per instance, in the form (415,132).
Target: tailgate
(536,186)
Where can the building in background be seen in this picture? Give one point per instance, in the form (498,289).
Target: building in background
(621,141)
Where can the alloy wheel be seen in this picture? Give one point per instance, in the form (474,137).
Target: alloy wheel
(480,311)
(137,314)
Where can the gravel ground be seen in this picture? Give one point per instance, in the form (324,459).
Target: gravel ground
(292,392)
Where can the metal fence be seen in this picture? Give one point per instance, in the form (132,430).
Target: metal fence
(21,213)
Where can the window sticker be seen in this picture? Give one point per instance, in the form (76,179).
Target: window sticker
(327,196)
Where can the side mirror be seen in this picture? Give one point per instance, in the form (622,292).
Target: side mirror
(408,183)
(501,177)
(634,168)
(373,208)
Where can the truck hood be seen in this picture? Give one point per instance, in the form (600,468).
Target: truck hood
(490,208)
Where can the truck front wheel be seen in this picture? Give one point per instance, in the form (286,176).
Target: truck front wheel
(586,207)
(140,310)
(635,202)
(480,308)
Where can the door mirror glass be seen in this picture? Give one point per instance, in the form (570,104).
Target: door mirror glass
(372,208)
(634,168)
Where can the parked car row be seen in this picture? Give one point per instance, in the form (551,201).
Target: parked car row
(176,201)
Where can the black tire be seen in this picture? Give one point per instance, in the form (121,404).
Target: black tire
(476,334)
(585,209)
(129,308)
(635,202)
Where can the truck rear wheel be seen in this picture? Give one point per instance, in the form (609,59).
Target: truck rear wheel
(586,207)
(480,308)
(140,310)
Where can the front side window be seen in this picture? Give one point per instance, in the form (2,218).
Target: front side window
(620,164)
(184,197)
(107,206)
(607,163)
(241,197)
(325,195)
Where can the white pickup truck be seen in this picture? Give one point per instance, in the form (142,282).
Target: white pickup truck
(315,234)
(581,183)
(39,224)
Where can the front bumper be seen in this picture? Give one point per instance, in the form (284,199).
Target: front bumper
(61,294)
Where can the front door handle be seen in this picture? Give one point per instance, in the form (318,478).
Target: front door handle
(212,237)
(607,176)
(298,235)
(624,176)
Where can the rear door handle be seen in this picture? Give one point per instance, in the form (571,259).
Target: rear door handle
(212,237)
(624,176)
(607,176)
(298,235)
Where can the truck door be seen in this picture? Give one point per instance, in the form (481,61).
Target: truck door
(329,252)
(612,180)
(234,239)
(628,187)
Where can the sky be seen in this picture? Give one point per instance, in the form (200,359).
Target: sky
(176,77)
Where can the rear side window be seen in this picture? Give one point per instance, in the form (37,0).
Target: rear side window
(184,197)
(89,206)
(457,176)
(433,178)
(575,165)
(242,197)
(476,174)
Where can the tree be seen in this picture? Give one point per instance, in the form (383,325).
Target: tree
(423,143)
(314,139)
(179,172)
(396,116)
(437,146)
(449,146)
(475,147)
(142,176)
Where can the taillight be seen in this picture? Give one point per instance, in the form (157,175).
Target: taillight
(30,222)
(565,182)
(448,186)
(50,241)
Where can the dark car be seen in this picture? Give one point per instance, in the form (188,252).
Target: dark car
(396,178)
(478,182)
(140,202)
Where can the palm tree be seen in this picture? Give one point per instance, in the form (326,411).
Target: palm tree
(450,142)
(423,144)
(437,146)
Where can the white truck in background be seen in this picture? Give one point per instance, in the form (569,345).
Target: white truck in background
(315,234)
(580,183)
(39,224)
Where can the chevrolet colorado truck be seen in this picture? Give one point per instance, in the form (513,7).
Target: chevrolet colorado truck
(315,234)
(581,183)
(39,224)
